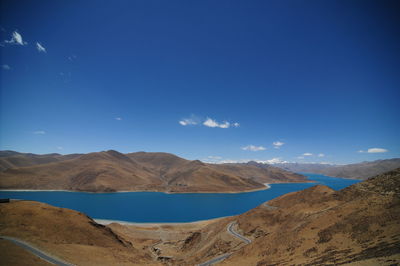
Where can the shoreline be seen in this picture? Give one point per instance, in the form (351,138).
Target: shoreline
(151,224)
(266,186)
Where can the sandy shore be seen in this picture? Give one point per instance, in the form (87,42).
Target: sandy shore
(107,222)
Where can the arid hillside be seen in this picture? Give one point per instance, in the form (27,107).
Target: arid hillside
(358,225)
(263,173)
(12,159)
(66,234)
(318,226)
(113,171)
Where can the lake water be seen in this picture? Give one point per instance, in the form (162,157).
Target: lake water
(160,207)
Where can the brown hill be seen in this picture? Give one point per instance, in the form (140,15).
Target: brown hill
(114,171)
(12,159)
(362,170)
(66,234)
(358,225)
(99,171)
(262,173)
(182,175)
(318,226)
(11,254)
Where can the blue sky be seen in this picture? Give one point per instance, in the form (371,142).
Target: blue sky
(210,80)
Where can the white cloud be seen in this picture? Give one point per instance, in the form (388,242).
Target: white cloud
(225,125)
(272,161)
(209,122)
(221,161)
(39,132)
(16,38)
(307,154)
(214,157)
(40,48)
(59,148)
(375,150)
(213,123)
(5,67)
(321,155)
(118,118)
(253,148)
(187,122)
(300,157)
(278,144)
(232,161)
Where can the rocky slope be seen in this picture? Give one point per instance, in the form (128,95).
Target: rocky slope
(319,226)
(359,225)
(66,234)
(114,171)
(362,170)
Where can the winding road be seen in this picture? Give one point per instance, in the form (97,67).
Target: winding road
(36,251)
(232,232)
(226,255)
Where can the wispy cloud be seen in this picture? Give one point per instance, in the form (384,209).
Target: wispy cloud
(16,39)
(118,118)
(321,155)
(214,157)
(5,67)
(232,161)
(72,57)
(377,150)
(187,122)
(268,161)
(59,148)
(374,150)
(190,121)
(40,48)
(253,148)
(208,122)
(273,161)
(307,154)
(213,123)
(39,132)
(278,144)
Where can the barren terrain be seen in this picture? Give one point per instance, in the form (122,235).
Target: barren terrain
(111,171)
(359,225)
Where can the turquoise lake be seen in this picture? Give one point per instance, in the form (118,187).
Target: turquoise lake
(160,207)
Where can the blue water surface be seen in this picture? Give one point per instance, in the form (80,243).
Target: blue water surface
(160,207)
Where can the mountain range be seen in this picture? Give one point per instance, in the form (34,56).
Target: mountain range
(363,170)
(358,225)
(109,171)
